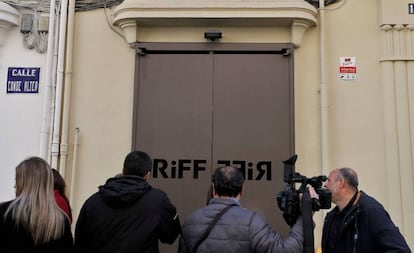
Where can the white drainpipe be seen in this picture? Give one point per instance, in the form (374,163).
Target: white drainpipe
(45,126)
(59,82)
(67,92)
(324,92)
(323,101)
(74,163)
(53,93)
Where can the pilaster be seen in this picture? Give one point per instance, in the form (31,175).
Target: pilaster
(398,89)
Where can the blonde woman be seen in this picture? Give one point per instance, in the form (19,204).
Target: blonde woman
(33,222)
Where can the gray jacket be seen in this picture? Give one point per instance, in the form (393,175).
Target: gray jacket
(238,230)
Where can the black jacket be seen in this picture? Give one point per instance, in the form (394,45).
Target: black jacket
(126,215)
(19,240)
(238,231)
(366,228)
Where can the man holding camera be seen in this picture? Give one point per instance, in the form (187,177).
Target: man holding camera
(224,226)
(358,223)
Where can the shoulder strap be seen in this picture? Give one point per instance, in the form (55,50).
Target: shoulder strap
(308,236)
(358,195)
(210,227)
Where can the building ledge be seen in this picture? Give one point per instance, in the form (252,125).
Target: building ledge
(9,17)
(297,15)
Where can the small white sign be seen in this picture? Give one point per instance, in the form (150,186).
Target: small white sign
(347,68)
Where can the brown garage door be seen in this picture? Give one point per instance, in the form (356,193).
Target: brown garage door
(199,106)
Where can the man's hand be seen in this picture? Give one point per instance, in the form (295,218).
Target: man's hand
(312,192)
(315,199)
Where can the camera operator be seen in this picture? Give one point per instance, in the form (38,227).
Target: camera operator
(358,223)
(236,229)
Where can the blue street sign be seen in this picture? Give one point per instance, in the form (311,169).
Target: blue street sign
(23,80)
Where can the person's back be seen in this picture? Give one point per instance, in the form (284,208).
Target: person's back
(238,230)
(62,200)
(33,222)
(127,214)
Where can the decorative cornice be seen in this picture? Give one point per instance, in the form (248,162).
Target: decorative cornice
(397,42)
(296,15)
(8,18)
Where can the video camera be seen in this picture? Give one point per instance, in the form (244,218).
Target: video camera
(288,200)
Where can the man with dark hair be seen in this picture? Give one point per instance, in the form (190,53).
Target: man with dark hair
(137,163)
(127,214)
(358,223)
(236,229)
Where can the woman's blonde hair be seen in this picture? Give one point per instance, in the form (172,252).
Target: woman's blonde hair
(35,208)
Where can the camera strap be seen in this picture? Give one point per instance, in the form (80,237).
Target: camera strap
(308,236)
(210,227)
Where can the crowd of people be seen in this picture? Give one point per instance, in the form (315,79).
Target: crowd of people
(127,214)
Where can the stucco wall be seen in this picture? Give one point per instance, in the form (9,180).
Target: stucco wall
(355,107)
(102,95)
(102,99)
(20,113)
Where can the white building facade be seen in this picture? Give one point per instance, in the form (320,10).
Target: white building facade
(352,76)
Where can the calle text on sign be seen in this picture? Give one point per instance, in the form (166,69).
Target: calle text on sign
(23,80)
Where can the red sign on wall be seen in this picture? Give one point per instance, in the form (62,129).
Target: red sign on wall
(347,68)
